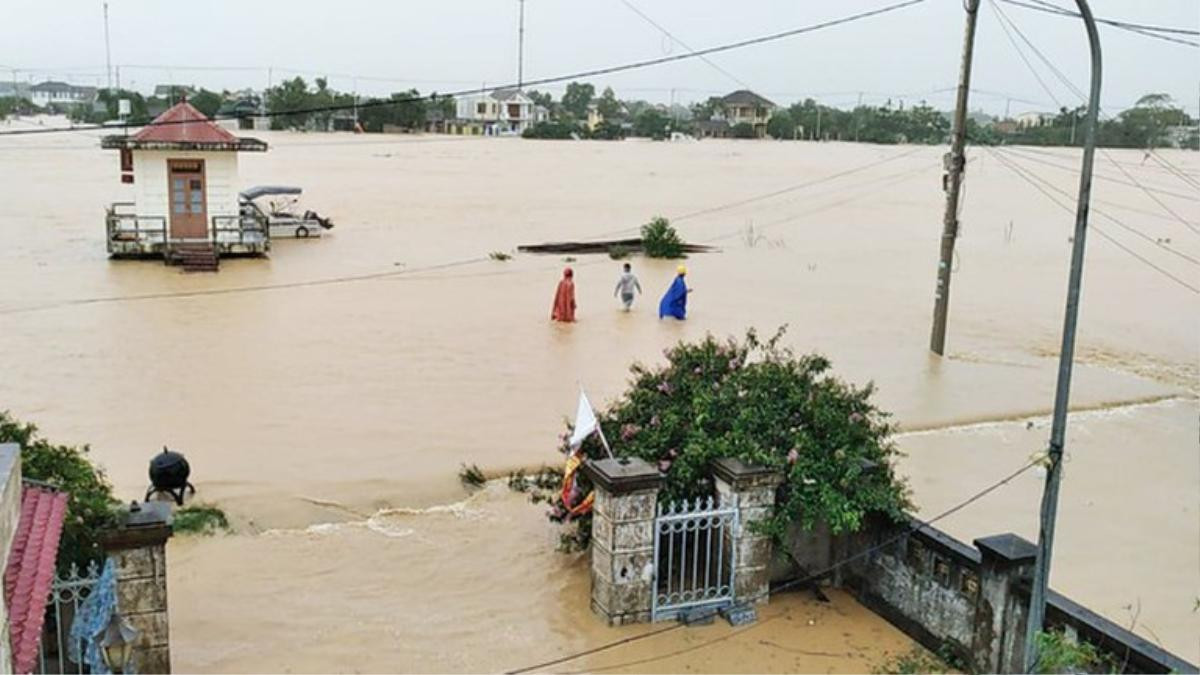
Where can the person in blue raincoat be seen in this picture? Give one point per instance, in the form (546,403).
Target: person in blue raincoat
(674,302)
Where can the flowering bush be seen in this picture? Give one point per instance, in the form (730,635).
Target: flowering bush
(756,401)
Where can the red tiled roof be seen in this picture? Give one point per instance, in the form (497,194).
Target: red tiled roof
(182,123)
(30,571)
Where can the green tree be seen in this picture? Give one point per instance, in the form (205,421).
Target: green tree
(207,102)
(287,97)
(651,123)
(781,125)
(608,106)
(576,98)
(705,110)
(91,505)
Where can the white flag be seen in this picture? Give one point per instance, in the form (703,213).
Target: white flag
(585,421)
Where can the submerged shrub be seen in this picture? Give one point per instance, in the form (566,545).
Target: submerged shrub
(660,240)
(200,519)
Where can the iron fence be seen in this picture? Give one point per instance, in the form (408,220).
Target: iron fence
(695,556)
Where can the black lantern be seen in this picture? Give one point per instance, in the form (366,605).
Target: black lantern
(116,643)
(169,473)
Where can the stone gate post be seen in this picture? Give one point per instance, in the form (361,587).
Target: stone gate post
(754,487)
(137,547)
(998,646)
(623,537)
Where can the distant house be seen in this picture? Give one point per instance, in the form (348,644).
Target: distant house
(60,93)
(746,107)
(502,111)
(173,92)
(1033,119)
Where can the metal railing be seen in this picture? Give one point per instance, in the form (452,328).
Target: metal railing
(695,556)
(240,229)
(129,227)
(67,593)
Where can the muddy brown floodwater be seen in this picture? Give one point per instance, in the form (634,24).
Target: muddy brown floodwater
(327,396)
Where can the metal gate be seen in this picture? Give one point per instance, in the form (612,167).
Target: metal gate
(695,556)
(67,593)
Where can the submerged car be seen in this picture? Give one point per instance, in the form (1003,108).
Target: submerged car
(282,212)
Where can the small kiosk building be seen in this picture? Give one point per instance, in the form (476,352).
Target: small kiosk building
(184,172)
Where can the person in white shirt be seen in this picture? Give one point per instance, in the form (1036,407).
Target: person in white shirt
(626,285)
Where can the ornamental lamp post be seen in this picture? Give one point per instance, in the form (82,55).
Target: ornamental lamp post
(116,643)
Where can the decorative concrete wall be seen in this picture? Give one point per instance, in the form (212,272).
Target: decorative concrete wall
(623,538)
(138,549)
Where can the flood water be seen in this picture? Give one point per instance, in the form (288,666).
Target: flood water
(320,390)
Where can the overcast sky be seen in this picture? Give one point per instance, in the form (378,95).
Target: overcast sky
(911,54)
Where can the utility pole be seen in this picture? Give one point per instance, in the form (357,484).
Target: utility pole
(1062,393)
(955,164)
(107,49)
(521,47)
(818,122)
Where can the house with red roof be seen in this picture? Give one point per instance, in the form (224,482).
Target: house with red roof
(182,173)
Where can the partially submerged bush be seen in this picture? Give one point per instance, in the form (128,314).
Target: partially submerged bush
(471,476)
(91,507)
(758,402)
(1058,653)
(917,661)
(660,240)
(500,256)
(200,519)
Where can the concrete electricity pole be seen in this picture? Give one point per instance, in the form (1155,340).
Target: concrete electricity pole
(955,164)
(1062,393)
(107,49)
(521,47)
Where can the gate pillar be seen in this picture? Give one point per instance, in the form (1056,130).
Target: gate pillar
(137,547)
(754,489)
(623,538)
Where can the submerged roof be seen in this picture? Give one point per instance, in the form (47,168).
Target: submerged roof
(30,571)
(183,127)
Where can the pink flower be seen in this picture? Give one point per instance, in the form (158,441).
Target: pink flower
(664,465)
(665,387)
(792,456)
(855,418)
(628,431)
(696,370)
(654,421)
(734,364)
(672,453)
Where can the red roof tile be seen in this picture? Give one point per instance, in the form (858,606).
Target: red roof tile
(30,571)
(182,123)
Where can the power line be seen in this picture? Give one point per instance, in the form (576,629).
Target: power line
(1141,29)
(915,526)
(635,65)
(1170,193)
(1129,228)
(683,44)
(1021,173)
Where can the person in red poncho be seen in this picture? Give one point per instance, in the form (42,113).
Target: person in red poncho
(564,298)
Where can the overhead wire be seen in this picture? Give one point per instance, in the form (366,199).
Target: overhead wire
(1119,223)
(607,70)
(1158,32)
(1022,173)
(915,526)
(1066,81)
(716,66)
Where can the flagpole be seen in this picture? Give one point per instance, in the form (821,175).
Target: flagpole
(603,440)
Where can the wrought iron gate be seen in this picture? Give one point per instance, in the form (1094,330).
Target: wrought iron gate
(67,593)
(695,556)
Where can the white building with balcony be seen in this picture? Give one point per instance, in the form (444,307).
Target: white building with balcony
(498,112)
